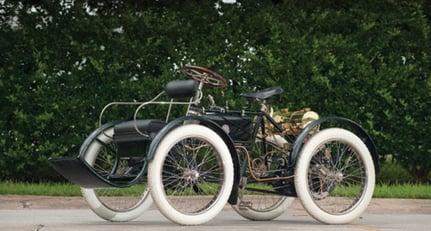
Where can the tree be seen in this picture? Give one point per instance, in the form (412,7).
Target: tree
(61,62)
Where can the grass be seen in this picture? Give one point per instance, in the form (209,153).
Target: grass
(58,189)
(46,189)
(406,191)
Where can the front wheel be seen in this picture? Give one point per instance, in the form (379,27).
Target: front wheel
(335,176)
(113,204)
(191,175)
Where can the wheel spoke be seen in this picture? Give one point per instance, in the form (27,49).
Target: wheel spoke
(262,200)
(338,169)
(115,204)
(191,175)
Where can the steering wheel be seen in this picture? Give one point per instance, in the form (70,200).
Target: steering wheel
(204,75)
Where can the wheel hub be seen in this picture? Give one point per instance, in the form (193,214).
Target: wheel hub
(190,175)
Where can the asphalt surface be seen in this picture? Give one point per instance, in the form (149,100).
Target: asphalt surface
(39,213)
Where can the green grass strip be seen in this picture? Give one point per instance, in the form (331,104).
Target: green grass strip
(406,191)
(45,189)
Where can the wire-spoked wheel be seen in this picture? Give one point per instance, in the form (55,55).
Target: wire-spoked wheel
(335,176)
(113,204)
(191,175)
(263,200)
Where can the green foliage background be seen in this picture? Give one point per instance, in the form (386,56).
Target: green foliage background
(62,61)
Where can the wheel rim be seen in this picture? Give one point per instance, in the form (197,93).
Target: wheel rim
(192,175)
(259,201)
(336,177)
(262,200)
(102,155)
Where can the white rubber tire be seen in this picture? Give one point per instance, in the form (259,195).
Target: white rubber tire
(303,165)
(96,204)
(155,175)
(276,209)
(99,208)
(265,215)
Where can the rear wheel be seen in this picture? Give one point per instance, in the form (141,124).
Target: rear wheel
(263,200)
(113,204)
(261,205)
(191,175)
(335,176)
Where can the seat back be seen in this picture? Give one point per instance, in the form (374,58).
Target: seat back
(181,88)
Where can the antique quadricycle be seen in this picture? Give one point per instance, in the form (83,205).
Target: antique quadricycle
(256,160)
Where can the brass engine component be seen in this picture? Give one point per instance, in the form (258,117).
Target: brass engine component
(294,122)
(257,166)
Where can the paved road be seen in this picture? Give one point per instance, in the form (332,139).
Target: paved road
(31,215)
(83,219)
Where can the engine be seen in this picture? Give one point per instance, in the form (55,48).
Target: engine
(294,122)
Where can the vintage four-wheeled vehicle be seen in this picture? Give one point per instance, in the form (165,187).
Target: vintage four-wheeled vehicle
(256,160)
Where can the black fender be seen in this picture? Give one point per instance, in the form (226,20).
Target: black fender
(79,171)
(85,146)
(357,129)
(93,135)
(213,126)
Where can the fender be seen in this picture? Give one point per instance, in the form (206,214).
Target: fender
(363,135)
(86,145)
(213,126)
(93,135)
(79,171)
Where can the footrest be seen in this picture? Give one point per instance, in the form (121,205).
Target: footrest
(78,172)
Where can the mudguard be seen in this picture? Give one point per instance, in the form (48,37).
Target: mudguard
(358,130)
(213,126)
(78,171)
(93,135)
